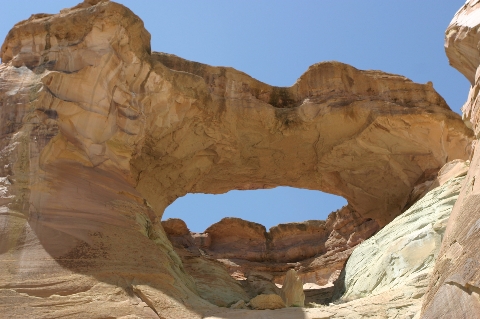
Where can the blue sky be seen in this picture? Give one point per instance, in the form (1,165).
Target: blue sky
(275,42)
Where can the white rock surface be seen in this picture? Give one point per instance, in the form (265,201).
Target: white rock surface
(405,250)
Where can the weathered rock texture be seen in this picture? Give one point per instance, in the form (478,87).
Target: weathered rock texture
(317,249)
(387,275)
(99,135)
(454,290)
(262,302)
(399,259)
(313,108)
(292,290)
(212,279)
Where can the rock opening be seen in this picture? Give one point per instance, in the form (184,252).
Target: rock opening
(268,207)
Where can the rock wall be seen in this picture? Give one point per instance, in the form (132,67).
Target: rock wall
(317,249)
(99,135)
(454,290)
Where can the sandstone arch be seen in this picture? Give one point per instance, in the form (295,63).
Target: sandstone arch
(334,136)
(93,124)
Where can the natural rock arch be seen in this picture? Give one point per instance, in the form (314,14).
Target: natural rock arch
(344,131)
(93,124)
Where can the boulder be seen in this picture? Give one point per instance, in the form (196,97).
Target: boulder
(259,283)
(292,290)
(262,302)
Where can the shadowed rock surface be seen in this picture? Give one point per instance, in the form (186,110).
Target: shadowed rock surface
(99,135)
(454,290)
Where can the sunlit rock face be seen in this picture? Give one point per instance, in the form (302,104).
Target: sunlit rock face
(292,290)
(317,249)
(337,129)
(396,263)
(455,284)
(99,135)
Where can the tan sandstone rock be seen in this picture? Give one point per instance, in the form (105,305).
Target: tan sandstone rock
(318,249)
(99,135)
(258,283)
(454,290)
(212,280)
(262,302)
(292,290)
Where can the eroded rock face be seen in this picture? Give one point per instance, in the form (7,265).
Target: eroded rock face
(399,259)
(314,108)
(99,135)
(387,275)
(212,280)
(317,249)
(455,284)
(237,238)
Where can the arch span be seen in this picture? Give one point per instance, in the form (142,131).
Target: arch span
(367,136)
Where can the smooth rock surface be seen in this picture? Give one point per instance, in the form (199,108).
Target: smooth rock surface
(403,253)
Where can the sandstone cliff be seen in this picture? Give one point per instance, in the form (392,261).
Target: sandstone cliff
(455,284)
(395,265)
(99,135)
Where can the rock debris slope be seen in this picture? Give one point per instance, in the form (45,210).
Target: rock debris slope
(99,135)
